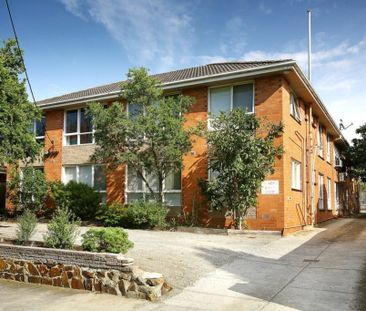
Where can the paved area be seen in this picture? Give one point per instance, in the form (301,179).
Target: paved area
(320,269)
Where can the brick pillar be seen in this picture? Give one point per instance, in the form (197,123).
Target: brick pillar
(54,133)
(116,184)
(195,162)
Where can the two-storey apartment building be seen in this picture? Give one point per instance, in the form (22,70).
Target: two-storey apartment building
(306,187)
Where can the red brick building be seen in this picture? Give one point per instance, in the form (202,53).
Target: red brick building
(308,185)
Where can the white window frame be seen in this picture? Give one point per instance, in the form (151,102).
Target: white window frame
(77,174)
(320,141)
(145,191)
(295,174)
(337,157)
(35,129)
(210,118)
(295,106)
(328,149)
(329,194)
(321,192)
(77,134)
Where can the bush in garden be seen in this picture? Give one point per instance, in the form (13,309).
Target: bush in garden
(112,215)
(26,226)
(84,200)
(149,214)
(28,189)
(106,240)
(59,194)
(63,230)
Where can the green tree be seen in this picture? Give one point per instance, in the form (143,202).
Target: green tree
(356,155)
(151,137)
(242,153)
(28,189)
(16,113)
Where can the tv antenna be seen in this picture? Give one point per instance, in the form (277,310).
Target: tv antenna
(342,126)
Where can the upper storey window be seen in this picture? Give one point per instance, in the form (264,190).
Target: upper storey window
(78,127)
(320,141)
(295,107)
(227,98)
(39,128)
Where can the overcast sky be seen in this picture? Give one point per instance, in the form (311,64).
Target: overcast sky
(75,44)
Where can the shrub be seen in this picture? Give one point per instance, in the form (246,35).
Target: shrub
(63,230)
(141,214)
(112,215)
(26,226)
(28,189)
(109,240)
(84,200)
(59,194)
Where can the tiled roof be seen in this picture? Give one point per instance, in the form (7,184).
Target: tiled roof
(166,77)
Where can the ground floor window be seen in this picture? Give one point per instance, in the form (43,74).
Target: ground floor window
(137,189)
(321,192)
(92,175)
(329,195)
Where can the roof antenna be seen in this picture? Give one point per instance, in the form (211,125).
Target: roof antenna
(342,127)
(309,45)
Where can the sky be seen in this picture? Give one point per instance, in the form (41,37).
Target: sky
(75,44)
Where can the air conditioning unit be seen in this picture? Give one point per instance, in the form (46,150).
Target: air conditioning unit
(338,162)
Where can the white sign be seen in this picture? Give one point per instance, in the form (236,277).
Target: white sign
(270,187)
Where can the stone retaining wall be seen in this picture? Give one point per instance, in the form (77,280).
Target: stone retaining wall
(106,273)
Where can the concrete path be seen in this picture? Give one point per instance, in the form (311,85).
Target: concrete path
(320,269)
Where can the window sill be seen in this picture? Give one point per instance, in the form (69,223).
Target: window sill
(78,145)
(296,119)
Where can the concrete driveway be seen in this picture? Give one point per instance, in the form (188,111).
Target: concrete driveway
(320,269)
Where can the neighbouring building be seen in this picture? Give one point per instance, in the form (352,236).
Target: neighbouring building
(309,185)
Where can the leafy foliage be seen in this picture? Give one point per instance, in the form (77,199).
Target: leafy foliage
(242,153)
(112,215)
(60,194)
(63,230)
(84,201)
(109,240)
(17,114)
(28,189)
(153,140)
(26,226)
(139,214)
(356,155)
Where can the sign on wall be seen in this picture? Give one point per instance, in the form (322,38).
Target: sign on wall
(270,187)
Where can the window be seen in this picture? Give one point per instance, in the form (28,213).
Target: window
(92,175)
(39,128)
(225,99)
(329,195)
(320,141)
(296,175)
(138,190)
(295,107)
(337,157)
(321,192)
(329,140)
(78,127)
(337,192)
(134,110)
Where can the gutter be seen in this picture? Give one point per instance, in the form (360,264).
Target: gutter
(177,84)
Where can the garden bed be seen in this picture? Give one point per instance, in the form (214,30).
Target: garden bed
(98,272)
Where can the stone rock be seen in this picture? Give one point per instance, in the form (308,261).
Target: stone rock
(67,268)
(133,287)
(154,282)
(77,272)
(136,295)
(19,277)
(88,284)
(97,285)
(32,269)
(166,288)
(2,265)
(34,279)
(13,268)
(54,271)
(47,281)
(101,273)
(77,283)
(43,269)
(125,276)
(140,281)
(57,281)
(88,274)
(145,289)
(69,274)
(64,279)
(124,286)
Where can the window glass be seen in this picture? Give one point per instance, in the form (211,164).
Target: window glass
(72,140)
(296,175)
(295,107)
(220,100)
(135,110)
(131,197)
(40,127)
(173,181)
(243,97)
(329,194)
(173,199)
(321,192)
(85,175)
(86,138)
(85,122)
(153,182)
(134,182)
(70,174)
(99,178)
(71,121)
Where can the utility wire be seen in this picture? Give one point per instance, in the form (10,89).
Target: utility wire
(22,59)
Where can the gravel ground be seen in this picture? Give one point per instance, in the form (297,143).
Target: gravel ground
(181,257)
